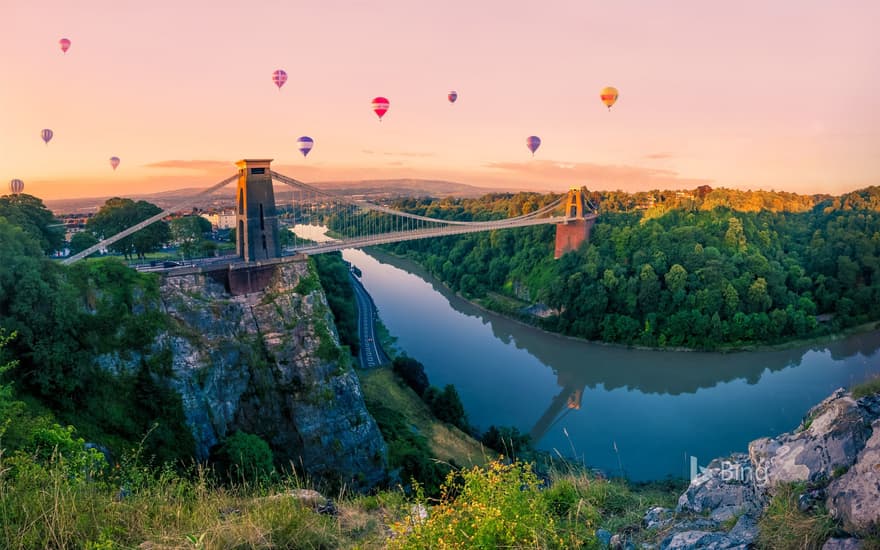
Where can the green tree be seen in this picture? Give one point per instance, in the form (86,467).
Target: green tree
(31,215)
(81,241)
(189,233)
(118,214)
(245,456)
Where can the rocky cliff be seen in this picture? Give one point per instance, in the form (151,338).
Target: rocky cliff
(834,454)
(269,363)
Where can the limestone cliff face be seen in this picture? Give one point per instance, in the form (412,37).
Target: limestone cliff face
(269,363)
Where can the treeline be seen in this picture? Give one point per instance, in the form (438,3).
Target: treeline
(682,275)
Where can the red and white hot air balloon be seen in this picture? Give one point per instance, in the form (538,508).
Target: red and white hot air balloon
(279,77)
(65,44)
(46,134)
(380,106)
(16,186)
(114,162)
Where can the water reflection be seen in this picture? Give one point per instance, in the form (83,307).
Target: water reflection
(654,406)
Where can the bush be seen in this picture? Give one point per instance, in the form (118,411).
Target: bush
(506,440)
(500,506)
(412,372)
(446,406)
(866,388)
(244,456)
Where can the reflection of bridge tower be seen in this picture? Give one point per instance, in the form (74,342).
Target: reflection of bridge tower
(573,233)
(257,224)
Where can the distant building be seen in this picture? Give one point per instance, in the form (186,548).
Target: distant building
(221,220)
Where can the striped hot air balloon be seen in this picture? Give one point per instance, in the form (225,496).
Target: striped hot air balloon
(16,186)
(65,44)
(608,96)
(380,106)
(279,77)
(533,142)
(114,162)
(47,134)
(305,144)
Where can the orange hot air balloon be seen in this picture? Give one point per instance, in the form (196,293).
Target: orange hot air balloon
(608,96)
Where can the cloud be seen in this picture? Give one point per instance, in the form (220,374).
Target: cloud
(658,156)
(203,165)
(598,176)
(414,154)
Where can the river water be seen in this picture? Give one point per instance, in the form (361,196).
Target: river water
(584,400)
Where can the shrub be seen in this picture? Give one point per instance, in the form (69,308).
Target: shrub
(412,372)
(244,456)
(866,388)
(446,406)
(506,440)
(500,506)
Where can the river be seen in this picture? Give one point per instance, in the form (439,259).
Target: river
(633,412)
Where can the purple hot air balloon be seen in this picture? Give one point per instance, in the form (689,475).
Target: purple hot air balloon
(305,144)
(16,186)
(533,142)
(452,96)
(65,44)
(47,134)
(114,162)
(279,77)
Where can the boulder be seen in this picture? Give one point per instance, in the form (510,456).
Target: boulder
(854,497)
(657,517)
(724,489)
(828,440)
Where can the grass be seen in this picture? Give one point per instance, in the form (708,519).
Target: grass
(866,388)
(783,526)
(447,443)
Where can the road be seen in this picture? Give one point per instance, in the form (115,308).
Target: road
(371,353)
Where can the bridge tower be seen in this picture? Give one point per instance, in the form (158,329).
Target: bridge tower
(574,232)
(256,220)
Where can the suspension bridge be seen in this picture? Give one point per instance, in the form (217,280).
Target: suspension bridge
(355,223)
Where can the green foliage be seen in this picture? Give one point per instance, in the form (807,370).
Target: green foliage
(189,233)
(500,506)
(81,241)
(506,440)
(703,269)
(412,373)
(118,214)
(245,457)
(31,215)
(783,526)
(333,273)
(866,388)
(446,406)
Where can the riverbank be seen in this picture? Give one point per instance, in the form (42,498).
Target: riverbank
(407,263)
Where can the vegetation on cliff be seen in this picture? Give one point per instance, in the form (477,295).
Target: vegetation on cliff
(702,269)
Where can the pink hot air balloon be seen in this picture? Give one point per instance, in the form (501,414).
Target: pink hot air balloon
(65,44)
(46,134)
(279,77)
(16,186)
(452,96)
(114,162)
(533,142)
(380,106)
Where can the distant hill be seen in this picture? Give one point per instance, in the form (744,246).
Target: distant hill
(224,197)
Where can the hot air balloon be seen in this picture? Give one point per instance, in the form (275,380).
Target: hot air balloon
(47,134)
(452,96)
(65,44)
(305,144)
(279,77)
(16,186)
(533,142)
(380,106)
(114,162)
(608,95)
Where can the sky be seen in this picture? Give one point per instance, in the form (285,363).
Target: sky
(781,95)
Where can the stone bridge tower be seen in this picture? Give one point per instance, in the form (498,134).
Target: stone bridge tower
(256,220)
(576,230)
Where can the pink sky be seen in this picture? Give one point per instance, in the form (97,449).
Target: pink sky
(748,94)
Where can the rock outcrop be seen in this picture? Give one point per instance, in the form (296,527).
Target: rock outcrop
(269,363)
(835,452)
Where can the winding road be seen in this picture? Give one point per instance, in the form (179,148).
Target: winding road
(371,353)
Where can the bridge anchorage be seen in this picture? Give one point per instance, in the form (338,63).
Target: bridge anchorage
(355,223)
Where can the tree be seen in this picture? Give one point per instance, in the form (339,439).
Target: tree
(119,214)
(412,372)
(188,232)
(30,214)
(244,456)
(81,241)
(446,405)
